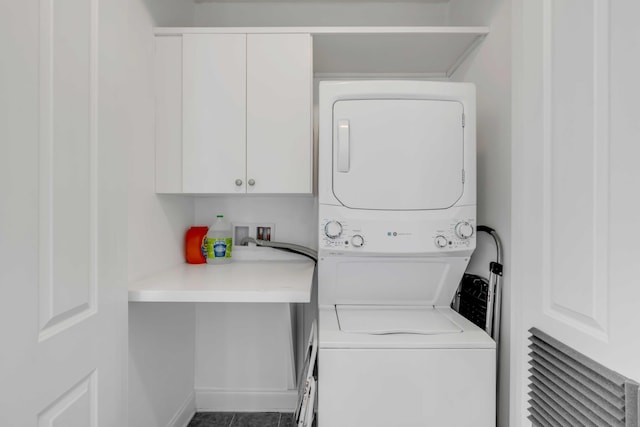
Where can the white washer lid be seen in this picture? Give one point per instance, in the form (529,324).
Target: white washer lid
(380,320)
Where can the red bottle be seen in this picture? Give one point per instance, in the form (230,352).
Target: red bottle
(194,245)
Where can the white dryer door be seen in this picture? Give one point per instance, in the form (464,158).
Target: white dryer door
(394,154)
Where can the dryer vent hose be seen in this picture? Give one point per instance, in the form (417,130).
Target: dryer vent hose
(289,247)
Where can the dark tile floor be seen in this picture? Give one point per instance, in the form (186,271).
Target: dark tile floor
(242,419)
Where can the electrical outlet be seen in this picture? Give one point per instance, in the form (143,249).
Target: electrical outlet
(256,230)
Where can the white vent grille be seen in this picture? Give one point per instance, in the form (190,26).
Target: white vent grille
(568,389)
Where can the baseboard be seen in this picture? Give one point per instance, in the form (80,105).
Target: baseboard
(215,400)
(184,413)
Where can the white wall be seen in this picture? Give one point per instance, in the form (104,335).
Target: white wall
(244,357)
(161,364)
(232,14)
(294,216)
(161,336)
(156,223)
(489,67)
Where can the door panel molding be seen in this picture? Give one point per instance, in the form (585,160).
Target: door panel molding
(575,165)
(77,407)
(67,164)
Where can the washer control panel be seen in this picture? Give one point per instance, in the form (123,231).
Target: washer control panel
(346,235)
(338,234)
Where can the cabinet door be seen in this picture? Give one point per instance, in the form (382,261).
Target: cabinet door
(279,112)
(214,108)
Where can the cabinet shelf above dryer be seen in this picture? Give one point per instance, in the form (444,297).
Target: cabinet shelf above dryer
(419,52)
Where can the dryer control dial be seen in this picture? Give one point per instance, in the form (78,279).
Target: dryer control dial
(333,229)
(464,230)
(357,241)
(440,241)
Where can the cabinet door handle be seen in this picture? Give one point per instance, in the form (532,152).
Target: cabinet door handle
(343,146)
(238,182)
(252,182)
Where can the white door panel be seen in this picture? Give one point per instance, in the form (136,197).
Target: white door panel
(63,295)
(575,248)
(409,151)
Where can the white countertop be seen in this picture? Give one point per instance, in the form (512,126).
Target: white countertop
(274,281)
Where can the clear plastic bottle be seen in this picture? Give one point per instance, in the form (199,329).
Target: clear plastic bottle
(219,242)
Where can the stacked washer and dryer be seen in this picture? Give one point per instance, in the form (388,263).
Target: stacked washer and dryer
(397,221)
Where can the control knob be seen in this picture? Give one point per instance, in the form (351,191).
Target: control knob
(464,230)
(357,241)
(333,229)
(440,241)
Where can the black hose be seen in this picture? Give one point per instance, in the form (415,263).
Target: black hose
(496,238)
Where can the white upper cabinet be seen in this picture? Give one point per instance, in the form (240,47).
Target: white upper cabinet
(233,113)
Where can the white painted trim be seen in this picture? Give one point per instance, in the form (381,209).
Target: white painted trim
(216,400)
(184,414)
(518,223)
(172,31)
(601,155)
(340,76)
(465,54)
(547,138)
